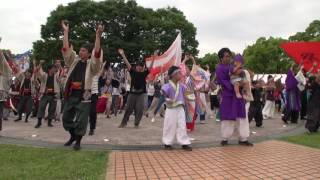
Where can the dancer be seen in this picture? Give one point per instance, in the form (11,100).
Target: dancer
(26,92)
(136,99)
(5,75)
(313,115)
(49,92)
(175,120)
(269,107)
(78,84)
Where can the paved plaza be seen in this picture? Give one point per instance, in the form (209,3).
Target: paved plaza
(149,134)
(266,160)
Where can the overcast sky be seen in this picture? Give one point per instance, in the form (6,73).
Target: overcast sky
(219,23)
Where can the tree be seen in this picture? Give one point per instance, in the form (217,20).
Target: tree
(266,56)
(209,59)
(138,30)
(312,33)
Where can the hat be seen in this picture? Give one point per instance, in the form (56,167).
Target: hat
(239,58)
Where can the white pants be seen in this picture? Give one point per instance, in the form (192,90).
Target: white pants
(268,109)
(175,126)
(242,125)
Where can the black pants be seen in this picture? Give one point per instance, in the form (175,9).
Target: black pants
(93,111)
(278,105)
(214,102)
(25,105)
(136,103)
(1,113)
(47,100)
(304,104)
(255,111)
(150,98)
(292,116)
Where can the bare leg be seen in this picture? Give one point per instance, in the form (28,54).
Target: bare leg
(236,87)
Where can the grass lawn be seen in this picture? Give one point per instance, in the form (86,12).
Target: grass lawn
(19,162)
(312,140)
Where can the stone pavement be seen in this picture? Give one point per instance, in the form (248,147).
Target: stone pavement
(266,160)
(149,134)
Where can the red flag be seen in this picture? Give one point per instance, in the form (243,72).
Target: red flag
(306,52)
(172,57)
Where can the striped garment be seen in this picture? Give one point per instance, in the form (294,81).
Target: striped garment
(94,85)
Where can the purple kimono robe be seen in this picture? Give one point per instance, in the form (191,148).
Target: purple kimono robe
(231,108)
(169,92)
(292,93)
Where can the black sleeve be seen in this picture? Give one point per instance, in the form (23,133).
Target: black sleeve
(132,72)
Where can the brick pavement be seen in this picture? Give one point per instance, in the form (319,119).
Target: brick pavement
(266,160)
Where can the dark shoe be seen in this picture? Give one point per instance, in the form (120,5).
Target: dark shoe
(39,123)
(122,126)
(168,147)
(136,126)
(77,145)
(91,132)
(285,121)
(161,115)
(245,143)
(71,140)
(50,123)
(186,148)
(27,117)
(224,143)
(108,117)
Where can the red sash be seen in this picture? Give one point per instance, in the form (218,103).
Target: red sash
(76,86)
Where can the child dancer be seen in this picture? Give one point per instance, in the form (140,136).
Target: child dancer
(175,120)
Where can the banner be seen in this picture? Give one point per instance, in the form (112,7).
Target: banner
(172,57)
(200,76)
(306,52)
(23,60)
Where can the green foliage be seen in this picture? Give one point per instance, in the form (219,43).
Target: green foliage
(138,30)
(39,163)
(312,33)
(209,59)
(266,56)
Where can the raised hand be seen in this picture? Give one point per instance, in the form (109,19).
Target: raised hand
(315,64)
(65,25)
(121,51)
(100,29)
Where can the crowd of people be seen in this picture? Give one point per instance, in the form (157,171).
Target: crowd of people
(85,86)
